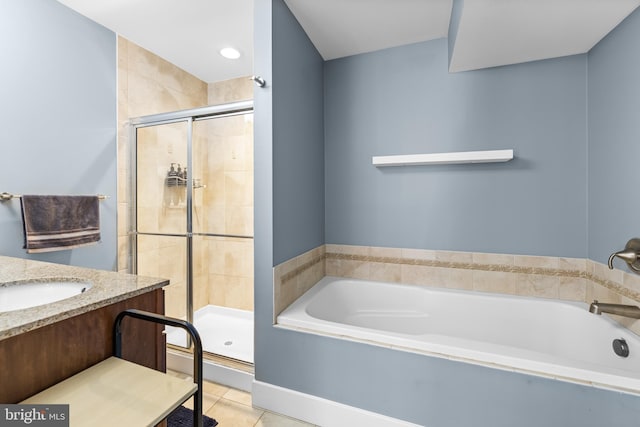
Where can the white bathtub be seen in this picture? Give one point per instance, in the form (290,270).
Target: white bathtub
(550,338)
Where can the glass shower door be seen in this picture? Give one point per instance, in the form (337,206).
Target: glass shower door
(223,233)
(161,166)
(193,222)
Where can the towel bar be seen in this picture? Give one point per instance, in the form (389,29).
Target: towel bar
(8,196)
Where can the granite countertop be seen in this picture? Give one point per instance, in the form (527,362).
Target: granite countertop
(107,288)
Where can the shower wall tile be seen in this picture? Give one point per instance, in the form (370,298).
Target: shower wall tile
(214,193)
(240,221)
(200,290)
(123,254)
(165,74)
(172,260)
(238,189)
(174,300)
(216,261)
(201,257)
(123,52)
(239,89)
(230,268)
(238,150)
(122,145)
(230,291)
(147,84)
(239,258)
(228,196)
(216,219)
(123,227)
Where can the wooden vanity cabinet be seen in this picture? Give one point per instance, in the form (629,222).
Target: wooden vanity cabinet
(37,359)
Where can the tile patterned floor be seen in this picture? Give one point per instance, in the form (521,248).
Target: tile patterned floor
(232,408)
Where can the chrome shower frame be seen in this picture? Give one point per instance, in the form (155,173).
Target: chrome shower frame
(189,117)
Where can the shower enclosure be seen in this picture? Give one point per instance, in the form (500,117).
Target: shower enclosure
(192,222)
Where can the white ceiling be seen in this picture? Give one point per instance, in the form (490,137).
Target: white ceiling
(189,33)
(347,27)
(500,32)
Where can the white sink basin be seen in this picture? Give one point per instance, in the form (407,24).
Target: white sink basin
(20,295)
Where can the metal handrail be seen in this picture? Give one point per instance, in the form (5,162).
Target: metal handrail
(168,321)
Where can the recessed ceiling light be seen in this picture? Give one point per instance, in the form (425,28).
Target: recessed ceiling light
(230,53)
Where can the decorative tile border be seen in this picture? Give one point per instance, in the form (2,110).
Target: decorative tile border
(615,287)
(460,265)
(293,274)
(296,276)
(572,279)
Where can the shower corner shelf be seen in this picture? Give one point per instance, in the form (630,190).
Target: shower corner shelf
(462,157)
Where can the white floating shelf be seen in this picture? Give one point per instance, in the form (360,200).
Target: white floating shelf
(489,156)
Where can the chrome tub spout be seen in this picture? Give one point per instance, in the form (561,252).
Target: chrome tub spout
(617,309)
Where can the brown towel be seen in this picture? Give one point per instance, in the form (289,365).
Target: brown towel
(56,223)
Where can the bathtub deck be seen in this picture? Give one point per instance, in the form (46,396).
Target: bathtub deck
(543,337)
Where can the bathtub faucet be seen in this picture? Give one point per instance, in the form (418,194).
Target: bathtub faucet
(617,309)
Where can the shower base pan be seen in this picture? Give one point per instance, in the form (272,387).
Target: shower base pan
(224,331)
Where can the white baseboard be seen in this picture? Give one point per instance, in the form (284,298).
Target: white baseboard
(230,377)
(316,410)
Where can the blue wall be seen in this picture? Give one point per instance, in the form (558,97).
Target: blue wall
(288,168)
(614,140)
(298,148)
(58,109)
(404,101)
(424,390)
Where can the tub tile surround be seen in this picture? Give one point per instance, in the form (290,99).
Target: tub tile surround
(572,279)
(296,276)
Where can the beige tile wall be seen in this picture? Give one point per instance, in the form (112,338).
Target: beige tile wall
(229,169)
(239,89)
(545,277)
(293,278)
(147,84)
